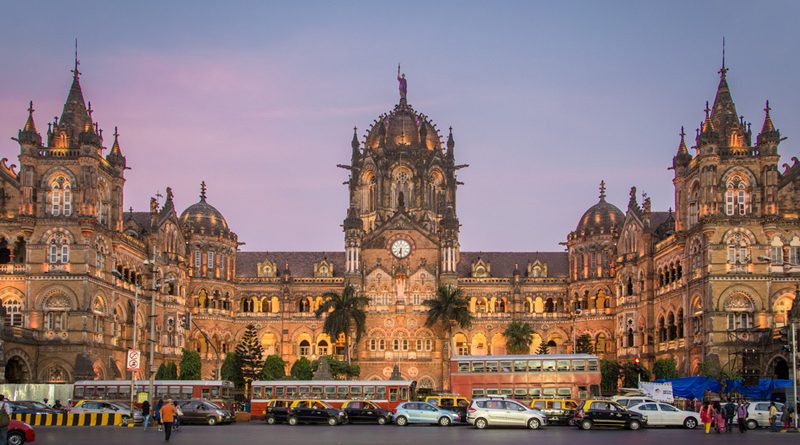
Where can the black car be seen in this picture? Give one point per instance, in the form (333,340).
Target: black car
(31,407)
(277,411)
(203,412)
(315,411)
(364,411)
(605,413)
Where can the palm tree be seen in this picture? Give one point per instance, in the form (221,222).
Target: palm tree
(519,336)
(345,313)
(449,308)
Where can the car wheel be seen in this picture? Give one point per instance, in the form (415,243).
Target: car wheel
(293,421)
(752,424)
(270,420)
(634,425)
(401,421)
(481,423)
(332,421)
(16,438)
(586,424)
(571,422)
(534,424)
(445,421)
(381,420)
(211,421)
(690,423)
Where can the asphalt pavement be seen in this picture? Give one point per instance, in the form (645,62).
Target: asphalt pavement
(259,433)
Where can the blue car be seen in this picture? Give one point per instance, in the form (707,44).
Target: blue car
(421,412)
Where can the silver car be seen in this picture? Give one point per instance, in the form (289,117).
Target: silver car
(421,412)
(503,412)
(107,407)
(758,413)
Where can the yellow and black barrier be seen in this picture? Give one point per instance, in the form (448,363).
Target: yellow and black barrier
(86,419)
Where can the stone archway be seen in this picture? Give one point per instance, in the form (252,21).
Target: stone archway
(780,368)
(17,370)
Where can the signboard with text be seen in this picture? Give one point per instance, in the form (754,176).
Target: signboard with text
(134,360)
(661,392)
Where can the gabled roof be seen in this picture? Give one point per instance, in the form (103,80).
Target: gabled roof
(503,262)
(301,264)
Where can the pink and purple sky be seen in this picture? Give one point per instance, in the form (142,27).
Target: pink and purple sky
(259,98)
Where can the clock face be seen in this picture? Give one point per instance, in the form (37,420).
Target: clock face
(401,248)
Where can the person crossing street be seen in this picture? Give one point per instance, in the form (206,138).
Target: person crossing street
(168,412)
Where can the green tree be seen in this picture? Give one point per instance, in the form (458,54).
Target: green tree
(274,368)
(250,355)
(232,369)
(301,369)
(519,336)
(633,373)
(171,372)
(344,314)
(665,368)
(449,309)
(162,369)
(340,369)
(190,365)
(583,344)
(543,349)
(609,376)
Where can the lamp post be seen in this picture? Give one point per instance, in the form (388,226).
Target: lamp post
(574,332)
(151,360)
(133,338)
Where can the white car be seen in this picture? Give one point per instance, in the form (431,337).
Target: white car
(492,411)
(664,414)
(758,414)
(629,401)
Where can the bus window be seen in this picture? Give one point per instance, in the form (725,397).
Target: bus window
(403,393)
(291,391)
(534,365)
(478,393)
(492,392)
(564,392)
(186,392)
(535,392)
(100,391)
(369,392)
(520,393)
(125,392)
(381,393)
(592,365)
(579,365)
(304,391)
(78,392)
(477,366)
(341,392)
(175,392)
(161,392)
(506,392)
(279,392)
(582,393)
(505,366)
(563,365)
(549,392)
(539,404)
(491,366)
(520,366)
(258,392)
(330,392)
(267,392)
(205,393)
(316,392)
(463,366)
(111,394)
(549,365)
(215,392)
(226,392)
(392,394)
(355,391)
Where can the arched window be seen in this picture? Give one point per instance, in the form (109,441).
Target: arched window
(548,306)
(672,330)
(305,348)
(680,323)
(738,250)
(737,196)
(56,312)
(60,196)
(527,306)
(13,307)
(58,249)
(500,306)
(481,306)
(630,338)
(694,204)
(662,330)
(740,310)
(322,348)
(600,343)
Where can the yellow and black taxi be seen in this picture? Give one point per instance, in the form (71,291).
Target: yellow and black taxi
(365,411)
(557,411)
(277,411)
(314,411)
(606,413)
(451,402)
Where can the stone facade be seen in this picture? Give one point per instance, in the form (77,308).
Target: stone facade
(79,272)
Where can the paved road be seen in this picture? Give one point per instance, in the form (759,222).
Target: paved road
(258,433)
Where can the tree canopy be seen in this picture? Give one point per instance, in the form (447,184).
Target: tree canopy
(344,314)
(274,368)
(249,353)
(519,336)
(190,365)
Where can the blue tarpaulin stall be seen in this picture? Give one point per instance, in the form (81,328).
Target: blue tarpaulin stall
(695,387)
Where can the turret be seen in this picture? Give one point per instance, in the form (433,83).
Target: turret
(682,158)
(115,157)
(353,232)
(29,135)
(770,137)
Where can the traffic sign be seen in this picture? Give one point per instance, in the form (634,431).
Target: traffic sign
(134,359)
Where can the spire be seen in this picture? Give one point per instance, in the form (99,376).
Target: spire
(30,125)
(723,113)
(769,134)
(451,144)
(29,134)
(203,191)
(723,71)
(632,203)
(75,116)
(602,191)
(115,150)
(683,157)
(768,125)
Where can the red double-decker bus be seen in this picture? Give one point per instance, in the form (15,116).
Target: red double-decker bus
(526,377)
(387,393)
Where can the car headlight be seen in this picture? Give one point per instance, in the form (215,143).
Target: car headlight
(341,413)
(220,412)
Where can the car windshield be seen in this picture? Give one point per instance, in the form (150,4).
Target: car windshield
(37,405)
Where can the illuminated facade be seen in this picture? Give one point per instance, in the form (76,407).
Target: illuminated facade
(686,284)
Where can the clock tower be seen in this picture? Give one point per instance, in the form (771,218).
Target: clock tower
(401,238)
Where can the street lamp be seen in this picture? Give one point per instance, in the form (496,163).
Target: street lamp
(793,316)
(574,334)
(136,286)
(151,360)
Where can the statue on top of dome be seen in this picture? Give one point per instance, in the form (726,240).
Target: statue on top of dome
(401,78)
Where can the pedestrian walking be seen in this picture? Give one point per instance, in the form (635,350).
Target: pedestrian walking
(741,416)
(773,416)
(707,415)
(730,413)
(719,418)
(167,417)
(5,419)
(146,413)
(157,413)
(786,416)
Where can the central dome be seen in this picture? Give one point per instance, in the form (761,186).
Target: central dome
(204,217)
(601,218)
(402,129)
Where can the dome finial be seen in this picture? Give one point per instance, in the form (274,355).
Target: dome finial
(203,191)
(403,84)
(723,71)
(602,190)
(75,72)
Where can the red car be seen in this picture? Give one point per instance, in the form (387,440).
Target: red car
(20,433)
